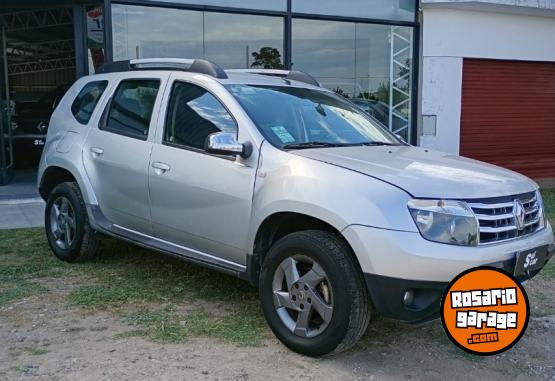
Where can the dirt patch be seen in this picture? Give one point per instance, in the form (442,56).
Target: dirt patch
(132,314)
(42,337)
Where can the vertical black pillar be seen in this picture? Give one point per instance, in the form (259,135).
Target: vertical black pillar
(108,42)
(288,25)
(80,35)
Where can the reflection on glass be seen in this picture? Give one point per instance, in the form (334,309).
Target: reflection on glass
(298,118)
(240,41)
(368,63)
(149,32)
(231,40)
(193,115)
(376,9)
(95,37)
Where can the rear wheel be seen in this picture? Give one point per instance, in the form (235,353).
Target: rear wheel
(68,231)
(313,294)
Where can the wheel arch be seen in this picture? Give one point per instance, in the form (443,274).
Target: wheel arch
(278,225)
(52,177)
(56,174)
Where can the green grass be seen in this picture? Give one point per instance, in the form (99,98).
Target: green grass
(11,291)
(124,276)
(170,326)
(548,196)
(36,351)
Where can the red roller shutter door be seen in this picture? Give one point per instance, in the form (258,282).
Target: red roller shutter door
(508,115)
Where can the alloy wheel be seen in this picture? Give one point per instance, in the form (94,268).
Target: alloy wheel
(303,296)
(63,224)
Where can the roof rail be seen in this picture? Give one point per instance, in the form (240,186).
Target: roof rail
(293,75)
(191,65)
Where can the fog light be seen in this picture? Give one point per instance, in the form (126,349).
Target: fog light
(408,297)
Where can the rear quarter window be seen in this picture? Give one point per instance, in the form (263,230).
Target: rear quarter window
(84,104)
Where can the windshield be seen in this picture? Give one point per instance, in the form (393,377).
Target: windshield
(292,117)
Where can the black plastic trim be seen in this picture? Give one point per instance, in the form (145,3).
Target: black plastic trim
(198,66)
(387,293)
(387,297)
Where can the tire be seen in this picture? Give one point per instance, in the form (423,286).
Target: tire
(342,288)
(83,242)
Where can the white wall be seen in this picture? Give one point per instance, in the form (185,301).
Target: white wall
(449,35)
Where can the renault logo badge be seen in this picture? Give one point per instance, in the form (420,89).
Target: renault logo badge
(519,213)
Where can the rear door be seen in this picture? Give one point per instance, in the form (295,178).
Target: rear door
(116,154)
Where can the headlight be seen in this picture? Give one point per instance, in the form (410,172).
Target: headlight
(541,210)
(445,221)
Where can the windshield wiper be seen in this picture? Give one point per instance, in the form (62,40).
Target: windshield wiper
(317,144)
(379,144)
(314,144)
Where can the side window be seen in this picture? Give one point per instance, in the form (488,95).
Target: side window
(131,108)
(83,106)
(193,114)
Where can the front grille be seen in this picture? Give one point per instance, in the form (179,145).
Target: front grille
(497,219)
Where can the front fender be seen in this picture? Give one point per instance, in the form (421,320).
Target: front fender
(335,195)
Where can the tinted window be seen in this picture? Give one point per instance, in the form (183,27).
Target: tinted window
(366,62)
(376,9)
(273,5)
(193,114)
(131,108)
(231,40)
(85,102)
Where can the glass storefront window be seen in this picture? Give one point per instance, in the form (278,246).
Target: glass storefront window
(230,40)
(243,41)
(149,32)
(265,5)
(401,10)
(368,63)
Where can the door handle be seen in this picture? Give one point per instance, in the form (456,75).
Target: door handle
(96,151)
(160,168)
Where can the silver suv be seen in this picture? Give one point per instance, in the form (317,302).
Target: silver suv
(267,176)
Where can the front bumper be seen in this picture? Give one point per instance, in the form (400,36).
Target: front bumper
(395,262)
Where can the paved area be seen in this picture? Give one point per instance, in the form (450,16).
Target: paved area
(22,186)
(27,213)
(20,203)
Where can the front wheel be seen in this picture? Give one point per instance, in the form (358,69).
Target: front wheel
(313,293)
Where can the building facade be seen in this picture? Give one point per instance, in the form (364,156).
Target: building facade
(475,78)
(488,82)
(364,52)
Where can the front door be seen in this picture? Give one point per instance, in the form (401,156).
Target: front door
(199,200)
(116,154)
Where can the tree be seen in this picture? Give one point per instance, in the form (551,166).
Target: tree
(267,58)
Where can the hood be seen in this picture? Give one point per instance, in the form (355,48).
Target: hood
(425,173)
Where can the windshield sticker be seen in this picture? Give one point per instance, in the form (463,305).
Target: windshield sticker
(283,135)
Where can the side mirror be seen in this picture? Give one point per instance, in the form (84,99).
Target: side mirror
(225,143)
